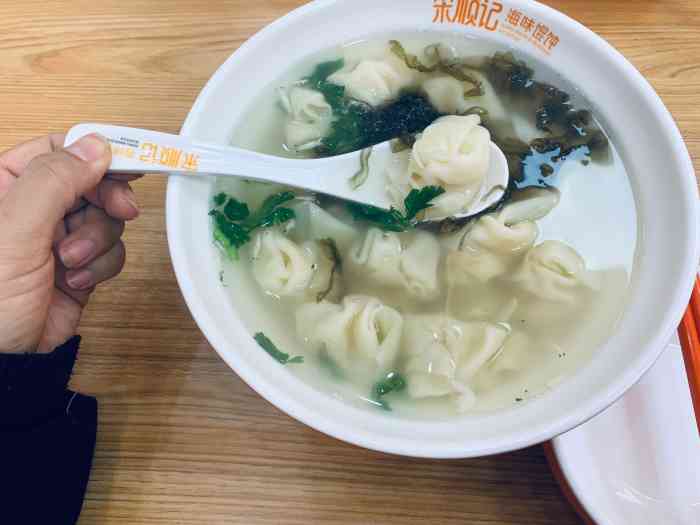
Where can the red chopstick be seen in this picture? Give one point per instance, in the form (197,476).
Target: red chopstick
(690,342)
(566,489)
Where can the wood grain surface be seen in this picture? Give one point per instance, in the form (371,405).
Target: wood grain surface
(182,440)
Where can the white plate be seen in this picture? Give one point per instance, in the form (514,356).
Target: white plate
(639,461)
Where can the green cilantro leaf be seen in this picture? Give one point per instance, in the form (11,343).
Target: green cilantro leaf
(236,210)
(419,200)
(220,199)
(393,220)
(225,245)
(275,352)
(233,222)
(276,217)
(265,216)
(229,235)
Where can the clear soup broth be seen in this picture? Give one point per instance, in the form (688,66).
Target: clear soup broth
(442,317)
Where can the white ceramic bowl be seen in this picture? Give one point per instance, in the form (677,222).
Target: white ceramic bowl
(648,140)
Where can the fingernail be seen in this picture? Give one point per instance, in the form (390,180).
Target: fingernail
(130,197)
(89,148)
(79,280)
(77,252)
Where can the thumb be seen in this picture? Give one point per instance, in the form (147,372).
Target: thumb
(50,186)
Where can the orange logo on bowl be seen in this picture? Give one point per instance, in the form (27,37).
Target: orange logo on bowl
(476,13)
(491,16)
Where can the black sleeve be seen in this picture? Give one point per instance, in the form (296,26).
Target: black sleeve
(47,438)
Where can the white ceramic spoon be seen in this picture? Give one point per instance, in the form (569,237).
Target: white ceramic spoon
(143,151)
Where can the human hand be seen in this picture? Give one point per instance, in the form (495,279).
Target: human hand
(61,222)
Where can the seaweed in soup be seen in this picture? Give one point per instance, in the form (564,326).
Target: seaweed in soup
(356,125)
(508,74)
(450,66)
(568,130)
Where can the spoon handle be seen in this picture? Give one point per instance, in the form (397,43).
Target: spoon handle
(144,151)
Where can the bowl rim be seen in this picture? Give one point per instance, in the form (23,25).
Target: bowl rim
(597,403)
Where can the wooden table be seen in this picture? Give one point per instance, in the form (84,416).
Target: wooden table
(182,440)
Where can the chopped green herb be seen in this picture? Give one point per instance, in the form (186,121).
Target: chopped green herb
(347,129)
(276,217)
(360,177)
(392,382)
(419,200)
(220,199)
(229,235)
(233,222)
(331,250)
(275,352)
(270,213)
(236,210)
(392,219)
(225,245)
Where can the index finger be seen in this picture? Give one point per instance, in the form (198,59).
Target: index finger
(18,158)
